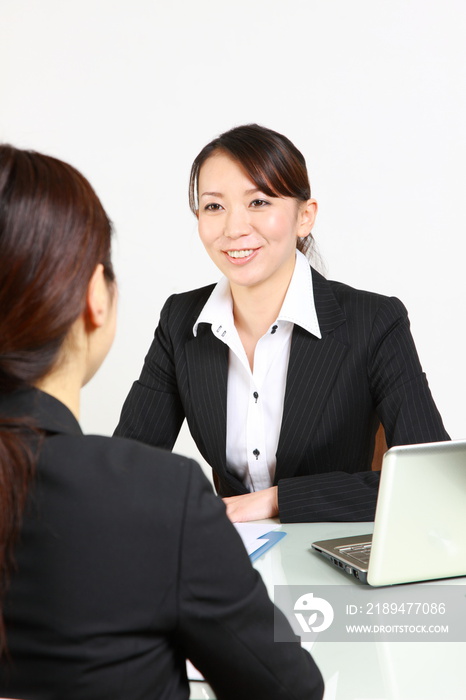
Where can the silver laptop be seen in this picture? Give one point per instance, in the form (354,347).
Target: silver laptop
(420,520)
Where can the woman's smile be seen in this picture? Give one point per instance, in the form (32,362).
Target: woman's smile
(242,256)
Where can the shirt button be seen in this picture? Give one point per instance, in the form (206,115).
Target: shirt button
(256,395)
(274,328)
(256,453)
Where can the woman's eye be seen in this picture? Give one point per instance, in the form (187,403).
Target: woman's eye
(257,203)
(212,207)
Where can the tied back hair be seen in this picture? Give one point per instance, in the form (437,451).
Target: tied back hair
(53,233)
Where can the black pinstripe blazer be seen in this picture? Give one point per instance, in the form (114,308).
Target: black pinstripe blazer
(365,369)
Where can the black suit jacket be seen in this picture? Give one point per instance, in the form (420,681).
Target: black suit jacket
(127,564)
(365,369)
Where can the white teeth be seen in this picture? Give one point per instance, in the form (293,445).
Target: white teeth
(239,253)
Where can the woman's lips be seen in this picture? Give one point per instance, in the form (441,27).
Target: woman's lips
(241,256)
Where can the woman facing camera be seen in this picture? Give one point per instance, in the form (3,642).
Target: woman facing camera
(117,561)
(282,375)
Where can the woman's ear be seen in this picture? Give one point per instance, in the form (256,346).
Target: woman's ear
(97,298)
(307,217)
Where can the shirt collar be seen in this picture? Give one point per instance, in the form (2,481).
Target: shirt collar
(298,306)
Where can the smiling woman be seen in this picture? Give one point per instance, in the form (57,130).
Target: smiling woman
(283,376)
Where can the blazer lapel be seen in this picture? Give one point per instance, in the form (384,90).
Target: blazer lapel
(207,361)
(312,370)
(207,364)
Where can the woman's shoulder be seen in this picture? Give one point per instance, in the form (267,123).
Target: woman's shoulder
(191,297)
(125,464)
(348,297)
(181,310)
(113,479)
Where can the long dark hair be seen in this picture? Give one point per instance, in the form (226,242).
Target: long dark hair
(53,233)
(271,160)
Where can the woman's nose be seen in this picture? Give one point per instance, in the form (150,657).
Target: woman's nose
(237,223)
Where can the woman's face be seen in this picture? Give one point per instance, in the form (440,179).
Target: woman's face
(250,236)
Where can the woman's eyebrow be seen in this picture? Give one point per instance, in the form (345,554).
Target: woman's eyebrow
(219,194)
(210,194)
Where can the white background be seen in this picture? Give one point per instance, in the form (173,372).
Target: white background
(372,92)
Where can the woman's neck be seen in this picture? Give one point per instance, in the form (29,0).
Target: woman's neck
(64,381)
(254,311)
(63,387)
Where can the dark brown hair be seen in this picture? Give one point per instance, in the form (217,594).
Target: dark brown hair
(271,161)
(53,233)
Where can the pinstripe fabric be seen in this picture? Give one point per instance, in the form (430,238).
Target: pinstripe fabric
(365,369)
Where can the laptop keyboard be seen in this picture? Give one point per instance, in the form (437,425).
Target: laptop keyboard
(361,552)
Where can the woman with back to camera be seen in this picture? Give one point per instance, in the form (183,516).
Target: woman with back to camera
(283,376)
(116,560)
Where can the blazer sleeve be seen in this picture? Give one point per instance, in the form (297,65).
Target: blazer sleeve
(406,409)
(226,621)
(153,412)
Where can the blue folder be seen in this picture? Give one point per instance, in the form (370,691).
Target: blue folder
(271,539)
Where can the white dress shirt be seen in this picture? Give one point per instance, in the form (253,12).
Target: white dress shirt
(255,399)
